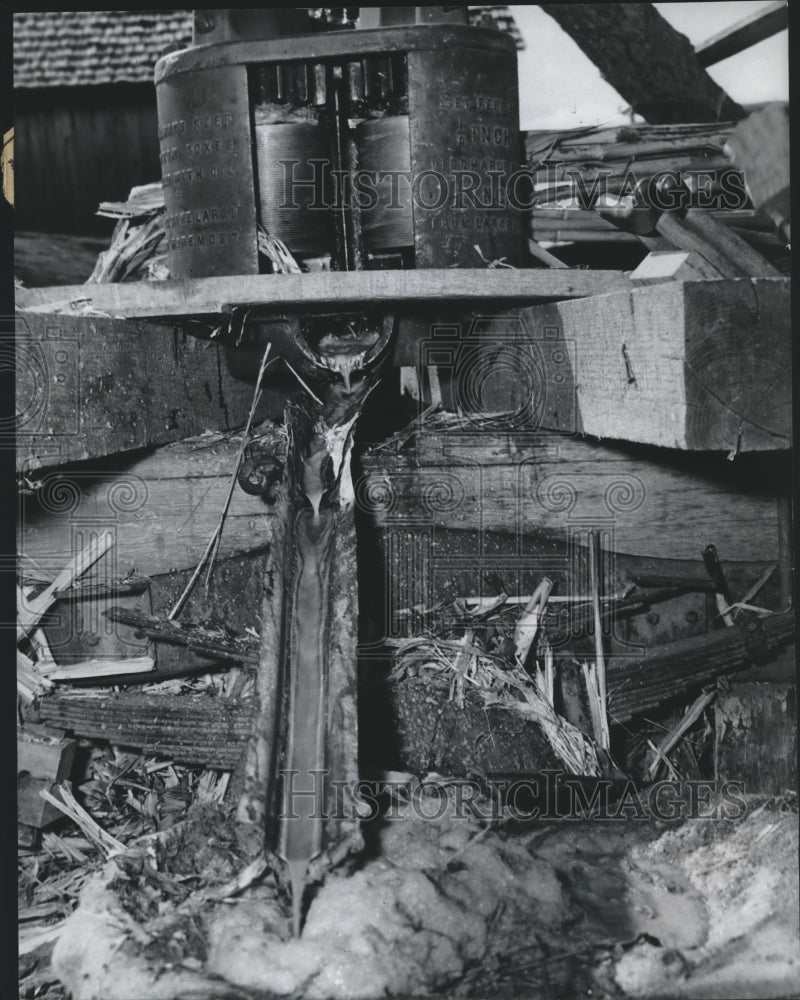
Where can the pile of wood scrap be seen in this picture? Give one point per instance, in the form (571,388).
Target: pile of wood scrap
(469,524)
(555,223)
(114,797)
(85,791)
(602,160)
(579,170)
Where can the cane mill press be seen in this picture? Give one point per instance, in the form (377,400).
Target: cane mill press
(356,139)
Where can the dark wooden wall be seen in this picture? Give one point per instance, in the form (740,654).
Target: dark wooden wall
(77,146)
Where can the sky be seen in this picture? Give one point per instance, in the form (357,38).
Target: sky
(561,88)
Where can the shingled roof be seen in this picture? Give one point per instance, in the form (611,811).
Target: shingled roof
(89,48)
(74,48)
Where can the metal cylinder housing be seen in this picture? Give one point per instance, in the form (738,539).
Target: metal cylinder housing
(463,148)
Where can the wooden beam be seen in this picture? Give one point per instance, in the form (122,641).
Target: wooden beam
(273,293)
(721,247)
(308,645)
(650,64)
(534,488)
(88,387)
(639,684)
(196,638)
(673,265)
(161,510)
(760,148)
(749,31)
(693,365)
(189,729)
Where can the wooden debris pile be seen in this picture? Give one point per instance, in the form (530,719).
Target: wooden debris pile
(597,160)
(656,719)
(124,798)
(577,171)
(83,801)
(650,704)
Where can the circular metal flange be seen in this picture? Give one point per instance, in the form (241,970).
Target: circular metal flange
(335,45)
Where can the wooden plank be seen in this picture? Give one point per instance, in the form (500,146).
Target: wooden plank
(754,28)
(161,510)
(189,729)
(653,502)
(638,684)
(724,249)
(88,387)
(581,224)
(273,293)
(672,265)
(647,61)
(197,638)
(104,143)
(760,148)
(103,670)
(695,365)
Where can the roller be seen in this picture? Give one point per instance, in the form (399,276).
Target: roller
(385,144)
(303,229)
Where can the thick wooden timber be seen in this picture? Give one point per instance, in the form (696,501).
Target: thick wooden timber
(269,292)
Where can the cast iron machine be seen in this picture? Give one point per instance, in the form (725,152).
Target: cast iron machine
(380,138)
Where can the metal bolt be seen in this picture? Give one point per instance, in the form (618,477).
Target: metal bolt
(691,617)
(653,618)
